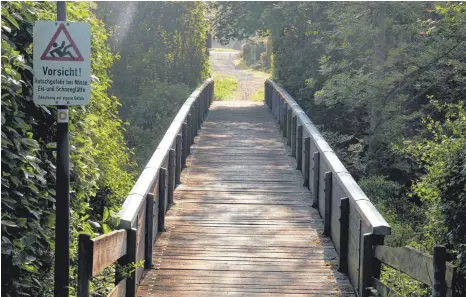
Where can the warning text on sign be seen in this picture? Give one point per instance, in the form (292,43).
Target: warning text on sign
(62,63)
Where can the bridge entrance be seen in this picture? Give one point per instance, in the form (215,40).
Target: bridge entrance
(242,223)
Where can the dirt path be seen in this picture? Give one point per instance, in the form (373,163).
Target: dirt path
(248,81)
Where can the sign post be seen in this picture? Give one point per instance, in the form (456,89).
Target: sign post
(62,77)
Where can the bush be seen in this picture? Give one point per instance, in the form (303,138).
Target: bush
(101,172)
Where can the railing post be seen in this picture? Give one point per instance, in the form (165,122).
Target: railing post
(195,113)
(211,92)
(193,122)
(189,134)
(285,121)
(299,153)
(365,271)
(206,102)
(307,157)
(171,175)
(149,230)
(84,264)
(179,153)
(328,202)
(266,93)
(184,139)
(131,251)
(293,136)
(438,287)
(199,113)
(289,126)
(202,105)
(280,110)
(161,198)
(315,189)
(344,226)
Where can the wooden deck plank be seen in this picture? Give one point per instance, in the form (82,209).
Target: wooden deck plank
(242,223)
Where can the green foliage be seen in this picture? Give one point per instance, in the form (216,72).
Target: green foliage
(442,188)
(152,116)
(101,172)
(162,46)
(225,86)
(257,96)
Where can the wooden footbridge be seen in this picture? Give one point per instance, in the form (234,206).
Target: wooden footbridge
(252,203)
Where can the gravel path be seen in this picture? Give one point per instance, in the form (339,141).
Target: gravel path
(248,82)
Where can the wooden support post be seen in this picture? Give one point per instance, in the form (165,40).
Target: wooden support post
(328,202)
(266,94)
(195,119)
(365,271)
(199,113)
(161,198)
(131,251)
(212,89)
(202,104)
(285,120)
(438,287)
(344,228)
(293,136)
(299,153)
(315,184)
(289,126)
(149,230)
(179,165)
(307,159)
(280,111)
(85,254)
(193,125)
(171,175)
(189,134)
(184,139)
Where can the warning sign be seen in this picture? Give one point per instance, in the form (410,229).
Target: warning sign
(62,66)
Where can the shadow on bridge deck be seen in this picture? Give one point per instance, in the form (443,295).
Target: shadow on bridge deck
(242,223)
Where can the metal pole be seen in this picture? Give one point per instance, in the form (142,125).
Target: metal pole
(62,204)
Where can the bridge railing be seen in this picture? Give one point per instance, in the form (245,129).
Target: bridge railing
(142,215)
(350,219)
(355,226)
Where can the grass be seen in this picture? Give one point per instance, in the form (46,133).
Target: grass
(257,96)
(257,73)
(225,86)
(222,49)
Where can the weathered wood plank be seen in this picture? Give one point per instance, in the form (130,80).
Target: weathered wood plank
(412,262)
(242,223)
(119,290)
(383,290)
(108,249)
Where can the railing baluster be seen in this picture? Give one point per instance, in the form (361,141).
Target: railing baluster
(189,134)
(171,176)
(315,188)
(285,121)
(328,202)
(179,153)
(307,157)
(299,153)
(344,226)
(184,139)
(289,126)
(293,136)
(149,230)
(161,198)
(366,267)
(438,287)
(84,264)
